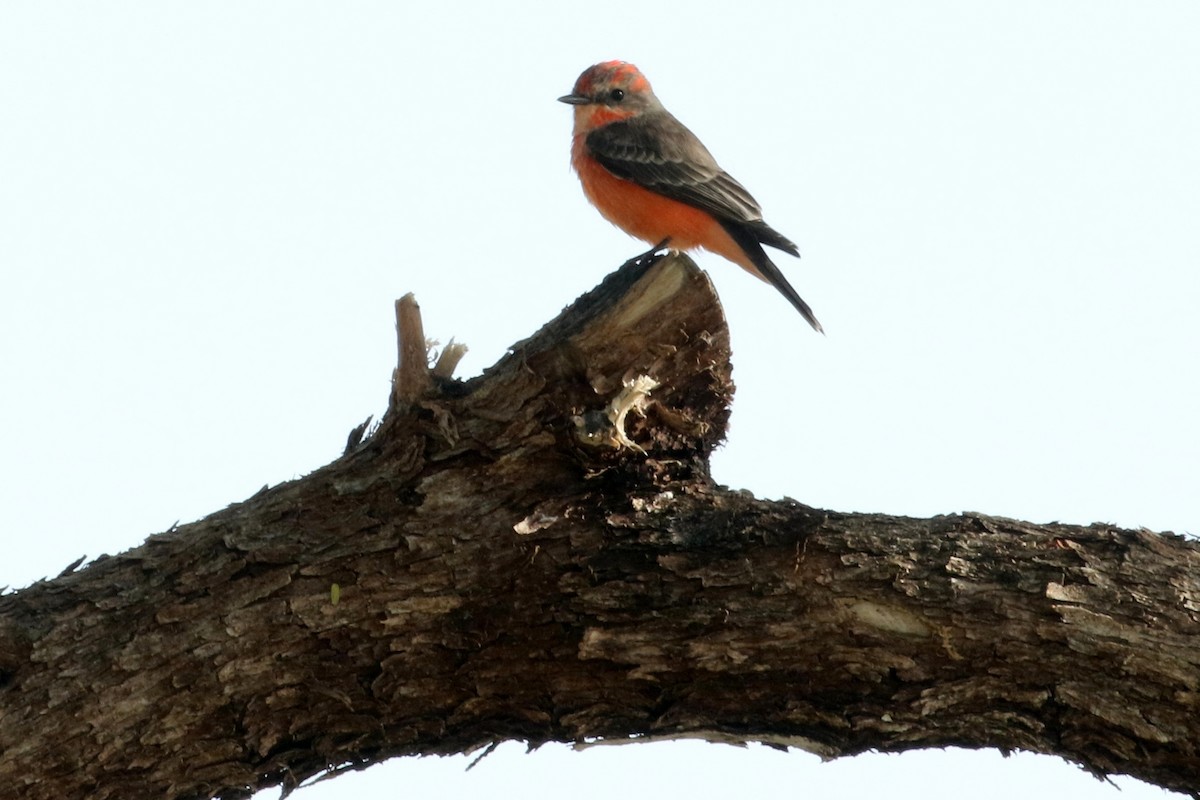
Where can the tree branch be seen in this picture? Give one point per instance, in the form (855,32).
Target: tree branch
(540,554)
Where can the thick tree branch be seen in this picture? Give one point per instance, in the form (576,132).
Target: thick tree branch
(539,554)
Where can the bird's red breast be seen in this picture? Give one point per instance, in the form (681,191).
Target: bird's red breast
(648,215)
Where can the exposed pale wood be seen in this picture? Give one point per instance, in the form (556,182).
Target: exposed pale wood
(448,359)
(506,568)
(411,380)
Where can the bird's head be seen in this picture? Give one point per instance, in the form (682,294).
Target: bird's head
(608,92)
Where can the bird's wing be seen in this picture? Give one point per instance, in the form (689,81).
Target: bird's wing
(656,151)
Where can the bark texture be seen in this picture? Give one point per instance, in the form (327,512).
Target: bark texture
(539,554)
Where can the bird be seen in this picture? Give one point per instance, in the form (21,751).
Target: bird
(649,175)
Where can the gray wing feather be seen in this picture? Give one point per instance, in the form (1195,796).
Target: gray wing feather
(656,151)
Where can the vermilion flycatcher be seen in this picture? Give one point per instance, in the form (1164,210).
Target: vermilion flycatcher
(651,177)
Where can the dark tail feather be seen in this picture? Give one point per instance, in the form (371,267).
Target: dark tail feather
(748,236)
(772,238)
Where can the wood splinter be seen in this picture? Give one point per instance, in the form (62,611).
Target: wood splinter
(607,428)
(633,397)
(447,362)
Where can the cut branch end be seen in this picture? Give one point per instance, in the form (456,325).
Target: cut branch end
(411,380)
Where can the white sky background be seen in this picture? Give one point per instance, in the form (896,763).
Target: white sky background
(206,211)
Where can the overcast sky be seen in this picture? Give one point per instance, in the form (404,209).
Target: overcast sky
(207,209)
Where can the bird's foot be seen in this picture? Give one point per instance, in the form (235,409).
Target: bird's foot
(650,256)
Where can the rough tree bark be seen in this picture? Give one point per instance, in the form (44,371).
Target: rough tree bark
(540,554)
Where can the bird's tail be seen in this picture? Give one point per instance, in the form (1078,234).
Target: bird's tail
(751,237)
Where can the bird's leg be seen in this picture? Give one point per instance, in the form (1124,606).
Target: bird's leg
(647,258)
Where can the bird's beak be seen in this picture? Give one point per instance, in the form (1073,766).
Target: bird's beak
(574,99)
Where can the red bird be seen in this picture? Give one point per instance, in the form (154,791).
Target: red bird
(651,177)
